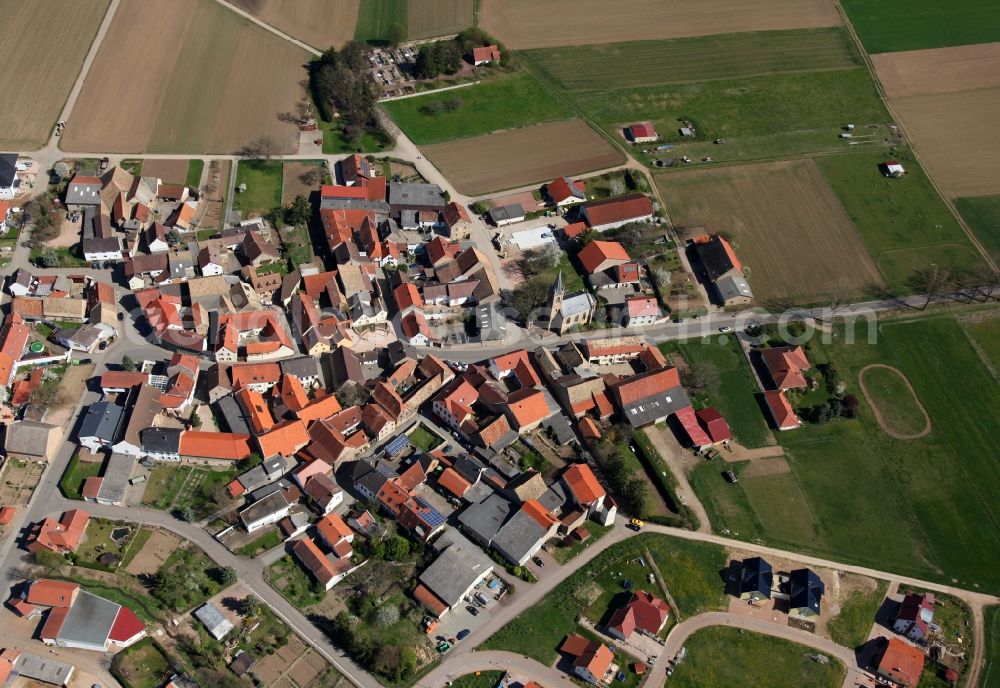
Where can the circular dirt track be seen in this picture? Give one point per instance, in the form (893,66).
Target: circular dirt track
(886,428)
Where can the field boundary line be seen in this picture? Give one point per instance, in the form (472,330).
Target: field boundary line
(267,27)
(984,254)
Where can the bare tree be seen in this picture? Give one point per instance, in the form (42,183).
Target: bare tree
(258,149)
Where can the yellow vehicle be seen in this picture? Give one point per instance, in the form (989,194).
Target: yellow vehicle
(636,524)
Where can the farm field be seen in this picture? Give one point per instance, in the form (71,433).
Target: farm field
(28,33)
(319,23)
(764,117)
(894,25)
(576,22)
(802,252)
(720,657)
(167,170)
(991,671)
(246,76)
(376,16)
(508,102)
(961,156)
(904,224)
(938,70)
(982,214)
(509,159)
(432,18)
(680,60)
(986,335)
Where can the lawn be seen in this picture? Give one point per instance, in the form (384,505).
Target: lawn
(143,665)
(204,492)
(99,542)
(851,626)
(76,473)
(163,484)
(68,257)
(720,657)
(982,214)
(195,168)
(763,117)
(991,670)
(294,584)
(703,58)
(424,439)
(894,25)
(509,101)
(728,506)
(736,396)
(782,508)
(481,679)
(376,16)
(263,186)
(563,553)
(267,541)
(904,224)
(190,570)
(691,572)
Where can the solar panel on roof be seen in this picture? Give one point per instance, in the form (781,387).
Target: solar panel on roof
(397,445)
(432,516)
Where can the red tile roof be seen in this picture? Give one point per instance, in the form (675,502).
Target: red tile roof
(589,429)
(528,407)
(51,593)
(714,424)
(91,487)
(256,409)
(583,483)
(641,306)
(337,191)
(425,597)
(620,209)
(785,364)
(643,611)
(574,229)
(688,420)
(454,483)
(641,130)
(562,188)
(255,373)
(126,626)
(293,394)
(7,514)
(489,52)
(333,529)
(902,663)
(407,295)
(286,438)
(320,407)
(781,410)
(317,563)
(225,446)
(600,255)
(644,385)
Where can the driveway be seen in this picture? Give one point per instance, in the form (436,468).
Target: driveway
(677,458)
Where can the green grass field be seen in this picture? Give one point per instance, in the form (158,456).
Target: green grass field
(376,16)
(510,101)
(720,657)
(76,473)
(893,25)
(690,571)
(851,625)
(991,671)
(903,223)
(736,397)
(683,60)
(193,178)
(483,679)
(762,117)
(986,336)
(727,505)
(424,439)
(143,665)
(782,507)
(982,214)
(900,410)
(263,180)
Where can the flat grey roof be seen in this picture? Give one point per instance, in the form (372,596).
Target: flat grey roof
(268,505)
(217,624)
(486,518)
(116,476)
(404,194)
(518,535)
(455,571)
(89,620)
(43,669)
(654,408)
(506,212)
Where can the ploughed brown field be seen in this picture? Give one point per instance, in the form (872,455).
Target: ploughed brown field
(526,24)
(508,159)
(167,170)
(294,180)
(787,227)
(948,101)
(319,23)
(938,70)
(42,47)
(206,80)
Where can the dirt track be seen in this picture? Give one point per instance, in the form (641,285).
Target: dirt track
(878,413)
(939,70)
(514,158)
(789,228)
(532,24)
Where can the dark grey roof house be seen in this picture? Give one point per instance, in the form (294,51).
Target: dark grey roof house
(755,579)
(100,425)
(481,522)
(805,593)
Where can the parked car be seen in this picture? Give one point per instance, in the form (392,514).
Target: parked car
(636,524)
(463,634)
(538,561)
(481,599)
(472,610)
(725,328)
(731,477)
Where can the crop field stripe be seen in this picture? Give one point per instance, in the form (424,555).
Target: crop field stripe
(897,25)
(376,16)
(434,18)
(687,60)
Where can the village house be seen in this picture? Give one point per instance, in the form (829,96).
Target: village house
(591,658)
(565,191)
(641,132)
(643,612)
(723,270)
(615,212)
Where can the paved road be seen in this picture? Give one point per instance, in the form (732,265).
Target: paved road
(521,668)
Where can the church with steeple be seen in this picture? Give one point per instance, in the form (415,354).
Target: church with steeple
(568,311)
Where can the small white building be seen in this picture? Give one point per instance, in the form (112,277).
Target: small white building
(217,625)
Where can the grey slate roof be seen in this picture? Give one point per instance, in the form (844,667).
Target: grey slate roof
(89,620)
(484,519)
(217,624)
(8,169)
(455,571)
(102,420)
(506,212)
(161,440)
(554,497)
(405,195)
(580,302)
(806,590)
(114,482)
(300,366)
(44,669)
(518,535)
(27,437)
(232,415)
